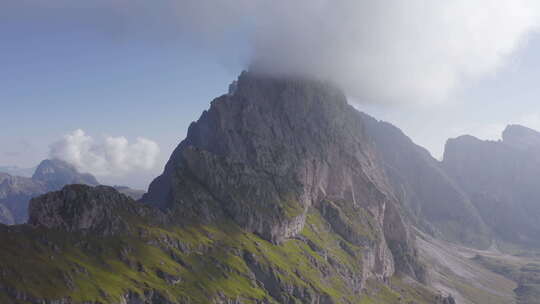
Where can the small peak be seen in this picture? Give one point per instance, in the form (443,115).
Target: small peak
(83,208)
(56,173)
(519,136)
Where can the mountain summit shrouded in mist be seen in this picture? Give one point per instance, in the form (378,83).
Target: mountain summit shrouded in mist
(283,190)
(141,61)
(275,196)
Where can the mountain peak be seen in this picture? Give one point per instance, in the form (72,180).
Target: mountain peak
(56,173)
(520,136)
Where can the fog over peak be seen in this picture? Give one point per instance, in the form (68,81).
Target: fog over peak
(378,51)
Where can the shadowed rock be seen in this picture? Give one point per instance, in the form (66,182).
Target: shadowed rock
(83,208)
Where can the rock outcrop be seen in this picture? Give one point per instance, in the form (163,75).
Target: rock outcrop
(80,208)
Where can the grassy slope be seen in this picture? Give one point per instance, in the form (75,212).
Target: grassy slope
(207,261)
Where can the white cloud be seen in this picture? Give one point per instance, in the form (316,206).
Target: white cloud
(112,156)
(379,51)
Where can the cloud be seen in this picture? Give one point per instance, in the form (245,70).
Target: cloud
(378,51)
(112,156)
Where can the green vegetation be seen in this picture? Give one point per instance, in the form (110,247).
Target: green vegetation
(194,264)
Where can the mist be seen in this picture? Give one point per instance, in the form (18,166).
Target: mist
(378,51)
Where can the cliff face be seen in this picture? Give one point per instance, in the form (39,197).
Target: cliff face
(501,179)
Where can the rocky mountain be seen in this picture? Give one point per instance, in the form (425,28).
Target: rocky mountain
(501,179)
(278,194)
(271,152)
(80,208)
(55,174)
(50,175)
(283,193)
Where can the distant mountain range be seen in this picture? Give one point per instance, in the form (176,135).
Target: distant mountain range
(50,175)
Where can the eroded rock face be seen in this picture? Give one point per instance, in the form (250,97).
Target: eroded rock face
(82,208)
(273,148)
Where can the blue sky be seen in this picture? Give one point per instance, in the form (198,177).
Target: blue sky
(67,76)
(141,74)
